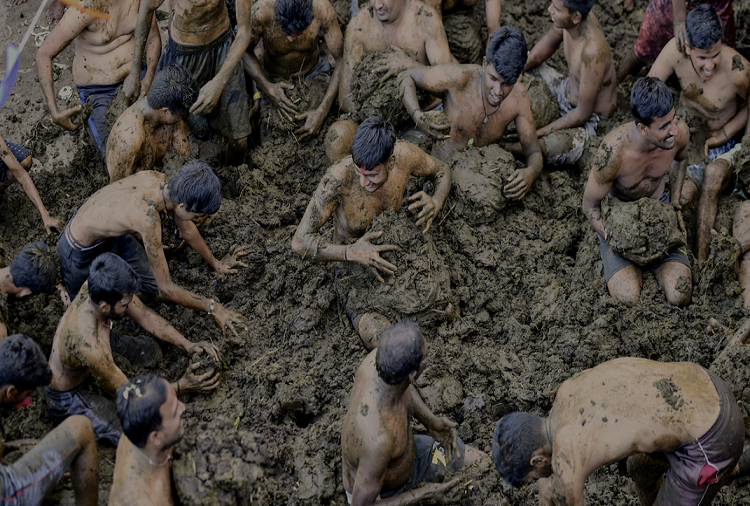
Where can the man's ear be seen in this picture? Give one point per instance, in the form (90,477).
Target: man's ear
(688,49)
(164,111)
(104,307)
(641,128)
(7,392)
(155,438)
(539,458)
(576,18)
(23,292)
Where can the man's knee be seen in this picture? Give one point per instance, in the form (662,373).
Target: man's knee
(625,285)
(80,427)
(681,293)
(716,175)
(677,283)
(338,140)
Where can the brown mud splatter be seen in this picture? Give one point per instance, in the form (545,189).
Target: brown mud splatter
(669,392)
(544,105)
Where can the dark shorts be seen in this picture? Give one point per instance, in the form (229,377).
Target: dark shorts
(21,154)
(96,408)
(30,479)
(231,115)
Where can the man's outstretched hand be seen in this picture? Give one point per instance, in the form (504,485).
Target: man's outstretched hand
(231,260)
(430,207)
(365,253)
(202,384)
(228,319)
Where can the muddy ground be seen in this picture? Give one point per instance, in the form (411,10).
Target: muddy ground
(531,302)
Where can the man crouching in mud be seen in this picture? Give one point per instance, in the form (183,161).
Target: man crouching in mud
(480,102)
(382,459)
(82,346)
(631,164)
(673,418)
(357,189)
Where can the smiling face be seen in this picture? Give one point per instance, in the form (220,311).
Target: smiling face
(373,180)
(661,133)
(494,87)
(705,61)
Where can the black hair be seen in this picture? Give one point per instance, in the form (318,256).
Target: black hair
(650,98)
(22,363)
(174,88)
(373,143)
(582,6)
(110,277)
(703,27)
(293,16)
(197,186)
(517,436)
(138,406)
(35,268)
(399,352)
(507,52)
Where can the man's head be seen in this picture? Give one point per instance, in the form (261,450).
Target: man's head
(34,270)
(703,40)
(196,190)
(293,16)
(520,449)
(172,93)
(569,13)
(388,11)
(652,105)
(506,57)
(150,412)
(372,150)
(402,353)
(23,367)
(112,284)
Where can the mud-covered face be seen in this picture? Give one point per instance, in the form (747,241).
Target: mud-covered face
(705,61)
(373,180)
(388,11)
(171,420)
(117,312)
(494,87)
(182,214)
(661,133)
(561,15)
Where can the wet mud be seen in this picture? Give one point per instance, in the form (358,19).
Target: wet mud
(464,38)
(699,132)
(544,105)
(306,95)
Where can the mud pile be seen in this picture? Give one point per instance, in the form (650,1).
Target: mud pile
(464,38)
(647,224)
(306,95)
(343,13)
(742,164)
(698,133)
(544,105)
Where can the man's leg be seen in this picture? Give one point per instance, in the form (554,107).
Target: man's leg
(625,285)
(741,228)
(134,254)
(648,475)
(716,179)
(339,140)
(676,279)
(84,472)
(630,65)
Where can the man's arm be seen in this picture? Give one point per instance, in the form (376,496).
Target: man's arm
(353,52)
(424,165)
(440,428)
(494,9)
(678,168)
(436,44)
(190,233)
(101,364)
(602,175)
(144,24)
(545,48)
(435,80)
(663,67)
(153,53)
(521,180)
(679,15)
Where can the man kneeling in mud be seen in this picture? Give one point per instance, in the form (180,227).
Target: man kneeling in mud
(631,164)
(70,446)
(382,459)
(673,418)
(358,188)
(82,347)
(480,102)
(151,416)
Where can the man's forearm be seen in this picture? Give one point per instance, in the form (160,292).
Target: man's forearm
(28,186)
(153,53)
(332,91)
(574,118)
(444,184)
(178,295)
(679,11)
(238,48)
(195,240)
(142,30)
(254,69)
(534,160)
(421,412)
(676,180)
(594,214)
(44,71)
(409,95)
(312,247)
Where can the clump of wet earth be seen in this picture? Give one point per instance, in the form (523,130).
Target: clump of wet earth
(464,38)
(544,105)
(306,95)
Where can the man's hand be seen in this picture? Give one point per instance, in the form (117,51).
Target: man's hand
(226,318)
(444,432)
(202,384)
(51,223)
(131,88)
(365,253)
(715,138)
(208,97)
(679,37)
(637,255)
(434,491)
(230,261)
(313,121)
(392,64)
(280,101)
(519,183)
(430,207)
(63,118)
(204,347)
(433,123)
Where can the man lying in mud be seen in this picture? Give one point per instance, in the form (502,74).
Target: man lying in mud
(15,162)
(69,447)
(82,348)
(144,133)
(382,459)
(480,102)
(588,94)
(675,417)
(715,80)
(404,24)
(202,40)
(151,416)
(102,61)
(357,189)
(631,163)
(291,31)
(135,204)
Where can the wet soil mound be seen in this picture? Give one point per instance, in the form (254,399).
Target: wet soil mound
(464,38)
(343,13)
(698,134)
(646,223)
(478,176)
(742,164)
(544,105)
(733,366)
(307,95)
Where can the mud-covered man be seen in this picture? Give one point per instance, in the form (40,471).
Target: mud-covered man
(715,80)
(291,31)
(480,102)
(382,458)
(81,347)
(147,129)
(409,25)
(102,61)
(674,417)
(136,204)
(589,93)
(69,447)
(631,164)
(360,187)
(202,40)
(151,417)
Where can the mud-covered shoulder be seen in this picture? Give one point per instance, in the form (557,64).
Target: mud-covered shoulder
(607,158)
(329,189)
(262,12)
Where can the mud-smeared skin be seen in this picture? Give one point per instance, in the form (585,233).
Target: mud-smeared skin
(464,38)
(743,162)
(698,134)
(306,95)
(737,63)
(670,393)
(544,106)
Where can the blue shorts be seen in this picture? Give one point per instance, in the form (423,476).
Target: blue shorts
(21,154)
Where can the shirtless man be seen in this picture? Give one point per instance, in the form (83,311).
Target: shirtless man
(681,417)
(151,416)
(70,446)
(631,164)
(81,347)
(291,31)
(102,61)
(135,204)
(406,24)
(480,102)
(357,189)
(202,41)
(382,459)
(15,162)
(589,93)
(147,129)
(715,80)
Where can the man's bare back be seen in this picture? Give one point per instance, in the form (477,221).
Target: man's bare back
(154,483)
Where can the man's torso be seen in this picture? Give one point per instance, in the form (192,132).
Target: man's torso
(154,140)
(287,58)
(197,22)
(136,482)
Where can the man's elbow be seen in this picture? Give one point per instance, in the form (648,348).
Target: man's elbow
(298,246)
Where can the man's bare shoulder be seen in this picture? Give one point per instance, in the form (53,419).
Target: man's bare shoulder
(262,12)
(361,24)
(130,122)
(331,185)
(323,11)
(608,157)
(740,67)
(596,48)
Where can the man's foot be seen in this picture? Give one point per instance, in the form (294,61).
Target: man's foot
(55,12)
(140,351)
